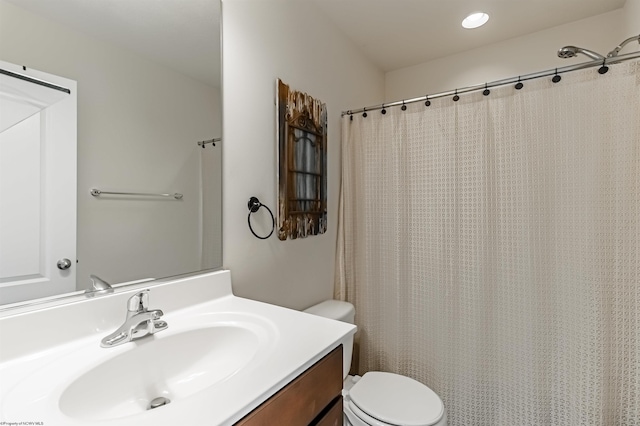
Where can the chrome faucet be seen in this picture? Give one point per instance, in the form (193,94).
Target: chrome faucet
(140,322)
(98,287)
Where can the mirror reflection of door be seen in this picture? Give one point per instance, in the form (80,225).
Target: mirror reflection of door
(37,184)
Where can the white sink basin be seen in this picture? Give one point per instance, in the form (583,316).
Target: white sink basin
(174,367)
(221,357)
(192,355)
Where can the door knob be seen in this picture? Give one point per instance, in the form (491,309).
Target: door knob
(64,264)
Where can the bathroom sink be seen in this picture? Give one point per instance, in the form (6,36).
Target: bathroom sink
(182,361)
(219,359)
(174,367)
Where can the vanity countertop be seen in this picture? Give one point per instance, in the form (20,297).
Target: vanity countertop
(50,357)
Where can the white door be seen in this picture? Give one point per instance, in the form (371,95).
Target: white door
(37,185)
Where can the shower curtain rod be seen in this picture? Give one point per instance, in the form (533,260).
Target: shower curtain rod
(34,81)
(498,83)
(211,141)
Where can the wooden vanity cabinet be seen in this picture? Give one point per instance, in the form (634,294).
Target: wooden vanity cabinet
(313,398)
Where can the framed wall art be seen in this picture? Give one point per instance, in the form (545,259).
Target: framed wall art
(302,164)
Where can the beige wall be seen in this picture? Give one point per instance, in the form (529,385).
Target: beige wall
(632,22)
(263,41)
(138,124)
(520,55)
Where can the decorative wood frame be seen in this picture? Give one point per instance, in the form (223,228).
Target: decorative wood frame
(302,164)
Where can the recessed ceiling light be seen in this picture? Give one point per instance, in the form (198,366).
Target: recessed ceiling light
(475,20)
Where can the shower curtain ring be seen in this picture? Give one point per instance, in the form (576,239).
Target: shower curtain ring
(456,98)
(519,84)
(556,78)
(384,111)
(427,102)
(364,113)
(486,90)
(604,68)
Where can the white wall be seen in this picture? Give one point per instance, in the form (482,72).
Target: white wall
(138,124)
(265,40)
(261,42)
(632,22)
(520,55)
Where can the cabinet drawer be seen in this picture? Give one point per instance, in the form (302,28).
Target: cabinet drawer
(333,417)
(302,400)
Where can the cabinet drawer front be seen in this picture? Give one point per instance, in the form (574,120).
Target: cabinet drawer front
(333,417)
(298,403)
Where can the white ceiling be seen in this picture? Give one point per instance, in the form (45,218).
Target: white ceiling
(184,34)
(181,34)
(395,34)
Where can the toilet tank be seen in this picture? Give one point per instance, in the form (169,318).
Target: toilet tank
(340,311)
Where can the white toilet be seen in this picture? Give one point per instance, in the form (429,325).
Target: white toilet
(377,398)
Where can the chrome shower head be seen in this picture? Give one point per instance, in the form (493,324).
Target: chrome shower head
(619,47)
(572,51)
(567,52)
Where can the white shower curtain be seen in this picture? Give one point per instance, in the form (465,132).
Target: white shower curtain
(491,247)
(210,208)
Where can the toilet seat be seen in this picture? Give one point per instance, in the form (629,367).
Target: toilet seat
(364,417)
(387,399)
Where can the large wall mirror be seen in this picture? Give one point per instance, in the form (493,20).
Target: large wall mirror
(148,90)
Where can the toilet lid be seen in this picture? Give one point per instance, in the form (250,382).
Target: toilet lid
(396,399)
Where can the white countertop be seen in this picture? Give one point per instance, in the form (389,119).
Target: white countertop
(44,351)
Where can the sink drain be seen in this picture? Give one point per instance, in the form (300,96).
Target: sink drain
(158,402)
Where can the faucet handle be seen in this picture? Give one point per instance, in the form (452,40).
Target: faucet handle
(139,302)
